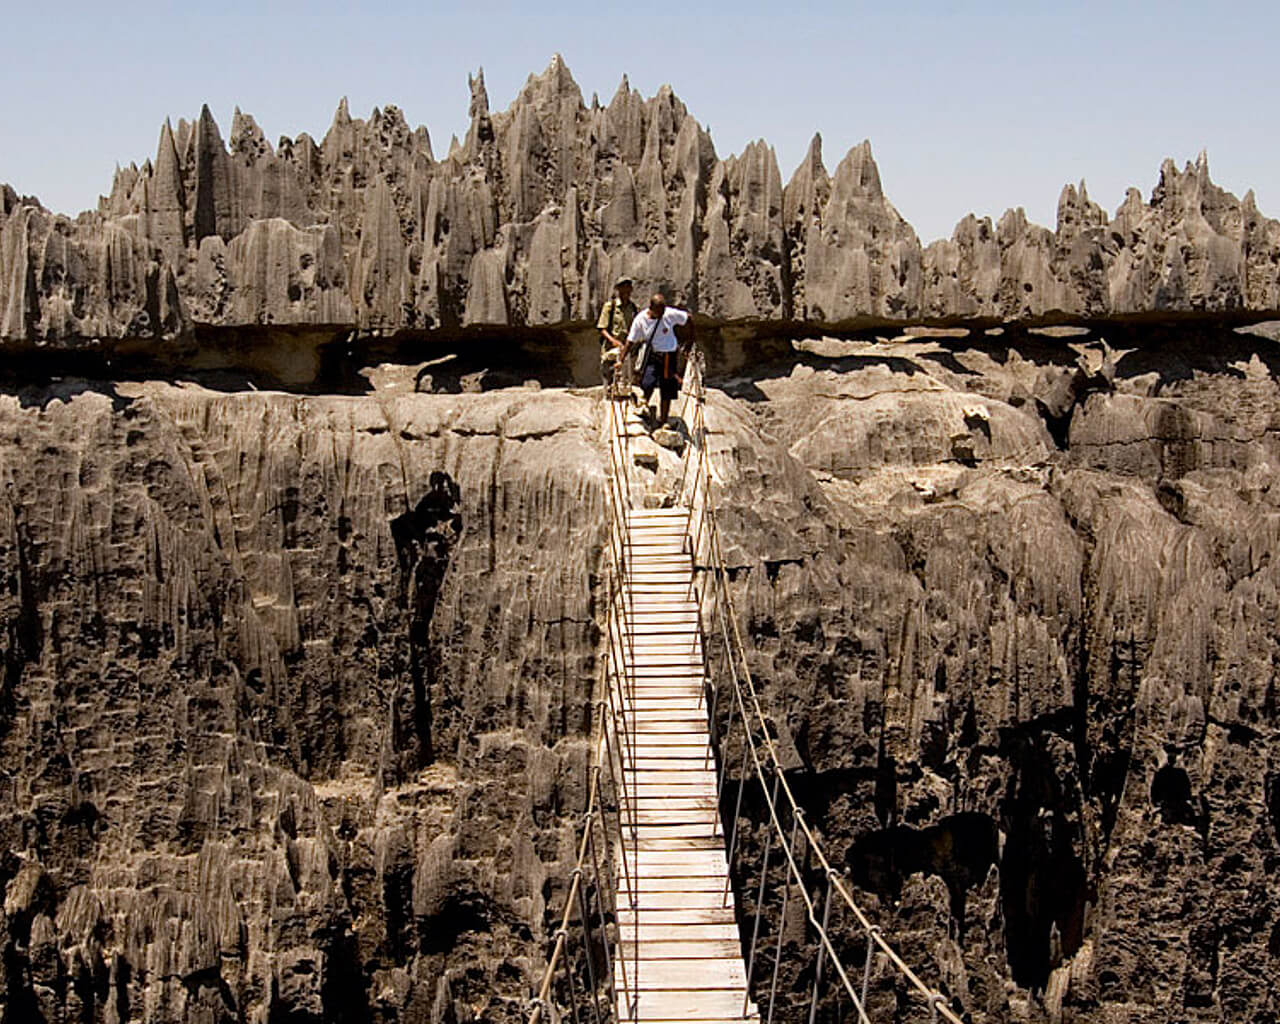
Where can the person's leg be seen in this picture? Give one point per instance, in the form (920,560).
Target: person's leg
(668,387)
(629,376)
(649,381)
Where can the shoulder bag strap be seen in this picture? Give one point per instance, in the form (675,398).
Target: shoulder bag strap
(654,333)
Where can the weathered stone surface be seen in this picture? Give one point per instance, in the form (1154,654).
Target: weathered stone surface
(531,218)
(295,691)
(670,439)
(1028,694)
(293,699)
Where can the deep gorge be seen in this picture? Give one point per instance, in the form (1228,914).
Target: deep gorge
(297,686)
(301,528)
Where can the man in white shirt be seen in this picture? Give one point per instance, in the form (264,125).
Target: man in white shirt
(657,325)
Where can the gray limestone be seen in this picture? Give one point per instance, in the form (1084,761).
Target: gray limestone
(296,691)
(531,217)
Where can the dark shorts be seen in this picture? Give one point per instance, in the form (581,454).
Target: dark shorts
(660,372)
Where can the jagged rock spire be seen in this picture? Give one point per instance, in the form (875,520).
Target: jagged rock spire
(212,207)
(479,96)
(167,197)
(533,215)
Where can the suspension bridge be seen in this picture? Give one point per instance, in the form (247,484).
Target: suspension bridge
(650,930)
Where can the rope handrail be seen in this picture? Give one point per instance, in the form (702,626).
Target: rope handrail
(747,700)
(612,726)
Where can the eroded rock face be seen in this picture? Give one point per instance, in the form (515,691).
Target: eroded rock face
(294,691)
(543,205)
(294,696)
(1027,687)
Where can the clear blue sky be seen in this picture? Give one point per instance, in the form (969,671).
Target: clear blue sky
(969,107)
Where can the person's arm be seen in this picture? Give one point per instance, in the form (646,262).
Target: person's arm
(624,342)
(685,334)
(604,323)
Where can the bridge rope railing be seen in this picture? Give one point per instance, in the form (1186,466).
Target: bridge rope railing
(798,845)
(601,862)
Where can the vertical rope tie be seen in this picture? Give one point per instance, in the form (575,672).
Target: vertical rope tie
(737,819)
(872,934)
(724,769)
(562,939)
(782,918)
(604,928)
(586,938)
(822,949)
(755,927)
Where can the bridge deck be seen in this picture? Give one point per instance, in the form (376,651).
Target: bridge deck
(681,943)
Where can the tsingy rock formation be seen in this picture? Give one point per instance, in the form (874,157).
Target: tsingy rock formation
(294,699)
(296,692)
(1023,673)
(530,218)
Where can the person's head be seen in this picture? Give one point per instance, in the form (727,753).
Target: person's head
(657,304)
(623,287)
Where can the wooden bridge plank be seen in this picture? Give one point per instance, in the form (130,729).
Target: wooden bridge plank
(684,1005)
